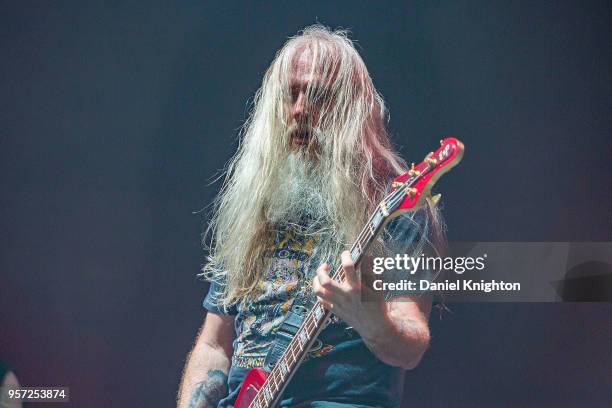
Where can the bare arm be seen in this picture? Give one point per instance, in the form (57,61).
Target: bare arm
(402,336)
(204,380)
(396,331)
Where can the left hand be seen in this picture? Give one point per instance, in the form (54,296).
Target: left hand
(344,299)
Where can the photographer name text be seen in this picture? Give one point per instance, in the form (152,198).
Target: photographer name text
(422,264)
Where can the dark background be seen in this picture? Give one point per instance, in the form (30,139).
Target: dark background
(116,116)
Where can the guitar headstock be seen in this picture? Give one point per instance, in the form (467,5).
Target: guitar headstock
(416,184)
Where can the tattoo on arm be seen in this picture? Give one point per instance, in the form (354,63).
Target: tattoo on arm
(209,392)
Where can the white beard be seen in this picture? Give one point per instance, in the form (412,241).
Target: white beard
(299,202)
(299,195)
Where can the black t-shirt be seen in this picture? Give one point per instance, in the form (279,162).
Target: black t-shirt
(339,367)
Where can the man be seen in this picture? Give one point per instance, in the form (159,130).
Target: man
(314,161)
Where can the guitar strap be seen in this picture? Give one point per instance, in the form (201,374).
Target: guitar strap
(289,327)
(285,333)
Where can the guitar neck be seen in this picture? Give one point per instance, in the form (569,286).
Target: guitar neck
(314,321)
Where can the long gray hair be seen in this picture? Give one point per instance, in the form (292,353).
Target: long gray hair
(355,160)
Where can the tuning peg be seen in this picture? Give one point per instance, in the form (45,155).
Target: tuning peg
(412,172)
(441,142)
(431,161)
(433,200)
(411,192)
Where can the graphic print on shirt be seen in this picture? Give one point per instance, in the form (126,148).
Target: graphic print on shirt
(288,272)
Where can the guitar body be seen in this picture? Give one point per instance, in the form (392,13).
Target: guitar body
(254,380)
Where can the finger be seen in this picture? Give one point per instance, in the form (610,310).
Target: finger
(326,287)
(326,304)
(324,267)
(349,269)
(318,289)
(325,280)
(315,284)
(323,275)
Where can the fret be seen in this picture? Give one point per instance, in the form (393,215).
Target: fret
(291,352)
(268,395)
(314,324)
(271,384)
(318,311)
(377,219)
(298,346)
(264,400)
(304,337)
(384,209)
(283,367)
(273,377)
(306,326)
(309,324)
(355,253)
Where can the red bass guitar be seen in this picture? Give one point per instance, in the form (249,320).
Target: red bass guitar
(410,191)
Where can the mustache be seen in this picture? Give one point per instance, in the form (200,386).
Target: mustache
(299,128)
(299,193)
(315,134)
